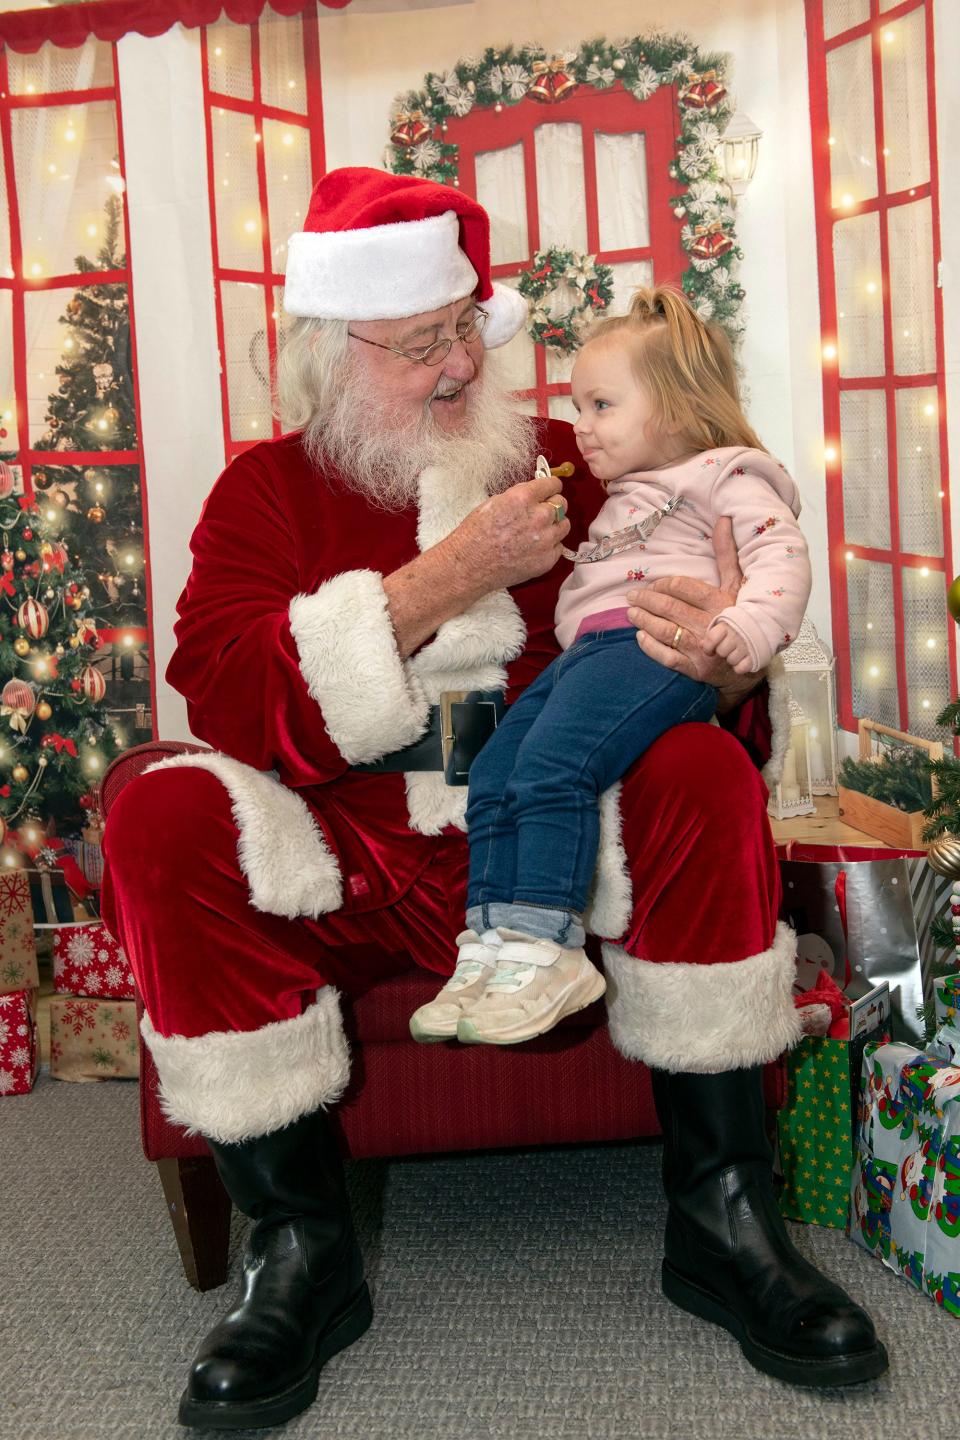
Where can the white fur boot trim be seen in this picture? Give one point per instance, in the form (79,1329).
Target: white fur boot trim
(779,709)
(235,1085)
(371,703)
(704,1018)
(288,865)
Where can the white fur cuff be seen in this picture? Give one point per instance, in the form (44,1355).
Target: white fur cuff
(779,710)
(236,1085)
(704,1018)
(353,670)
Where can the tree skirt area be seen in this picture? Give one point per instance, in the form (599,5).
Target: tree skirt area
(515,1295)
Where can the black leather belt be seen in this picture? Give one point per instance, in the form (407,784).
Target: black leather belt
(457,731)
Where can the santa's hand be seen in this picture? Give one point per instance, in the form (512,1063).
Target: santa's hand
(721,640)
(515,536)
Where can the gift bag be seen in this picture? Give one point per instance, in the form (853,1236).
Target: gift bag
(816,1128)
(18,950)
(864,915)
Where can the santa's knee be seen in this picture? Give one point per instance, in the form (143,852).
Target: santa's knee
(163,825)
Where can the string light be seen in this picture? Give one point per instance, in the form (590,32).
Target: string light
(91,231)
(925,704)
(850,555)
(869,624)
(931,643)
(288,139)
(70,134)
(36,268)
(218,51)
(924,571)
(830,454)
(929,409)
(291,84)
(871,287)
(846,201)
(889,36)
(250,226)
(831,139)
(829,352)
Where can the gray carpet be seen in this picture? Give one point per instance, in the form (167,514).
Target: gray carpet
(516,1295)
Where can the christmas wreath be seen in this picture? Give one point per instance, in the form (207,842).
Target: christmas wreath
(640,65)
(578,275)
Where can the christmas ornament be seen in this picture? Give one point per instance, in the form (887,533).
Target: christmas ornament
(710,242)
(41,480)
(93,684)
(44,710)
(703,92)
(27,533)
(95,514)
(19,773)
(61,499)
(74,642)
(21,645)
(590,285)
(551,81)
(21,554)
(953,599)
(102,378)
(34,618)
(944,856)
(17,700)
(7,480)
(6,559)
(409,129)
(75,602)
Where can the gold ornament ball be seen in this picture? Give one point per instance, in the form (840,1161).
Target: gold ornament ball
(74,642)
(20,773)
(944,856)
(42,761)
(75,602)
(953,599)
(21,554)
(95,514)
(44,711)
(22,645)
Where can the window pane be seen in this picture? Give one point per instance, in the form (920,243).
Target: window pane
(910,230)
(228,59)
(69,332)
(853,151)
(856,257)
(918,470)
(513,364)
(560,407)
(925,624)
(6,269)
(628,276)
(839,15)
(8,407)
(501,191)
(906,127)
(560,197)
(52,70)
(248,382)
(287,158)
(622,191)
(863,450)
(65,160)
(239,235)
(281,62)
(872,642)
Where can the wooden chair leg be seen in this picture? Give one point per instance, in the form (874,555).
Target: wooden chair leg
(199,1207)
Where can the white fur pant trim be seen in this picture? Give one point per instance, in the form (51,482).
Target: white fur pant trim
(704,1018)
(234,1085)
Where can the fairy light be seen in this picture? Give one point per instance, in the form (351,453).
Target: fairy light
(250,226)
(874,671)
(51,169)
(99,487)
(51,514)
(68,343)
(924,570)
(70,134)
(846,201)
(129,559)
(128,640)
(254,424)
(218,51)
(869,624)
(829,352)
(931,643)
(102,424)
(889,36)
(830,454)
(257,137)
(91,231)
(36,268)
(831,139)
(291,84)
(93,762)
(871,287)
(288,138)
(850,555)
(925,704)
(929,409)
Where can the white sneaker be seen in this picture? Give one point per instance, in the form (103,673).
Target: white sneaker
(536,983)
(476,964)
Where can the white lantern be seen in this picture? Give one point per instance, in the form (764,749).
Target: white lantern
(811,671)
(737,153)
(791,794)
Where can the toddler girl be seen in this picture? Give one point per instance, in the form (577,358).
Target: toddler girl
(660,424)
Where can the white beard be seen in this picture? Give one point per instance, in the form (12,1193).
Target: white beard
(380,450)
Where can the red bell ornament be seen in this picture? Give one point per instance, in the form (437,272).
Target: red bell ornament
(703,92)
(93,685)
(33,617)
(551,81)
(710,242)
(409,129)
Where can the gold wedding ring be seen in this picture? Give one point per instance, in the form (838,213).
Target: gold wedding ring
(675,642)
(559,511)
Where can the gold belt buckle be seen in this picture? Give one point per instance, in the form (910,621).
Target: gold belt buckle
(449,698)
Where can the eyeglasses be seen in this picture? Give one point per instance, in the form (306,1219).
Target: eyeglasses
(436,353)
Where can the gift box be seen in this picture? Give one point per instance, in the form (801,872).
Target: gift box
(905,1185)
(816,1129)
(49,896)
(93,1039)
(18,951)
(19,1050)
(87,961)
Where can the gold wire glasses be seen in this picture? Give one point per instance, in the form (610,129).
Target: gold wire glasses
(436,353)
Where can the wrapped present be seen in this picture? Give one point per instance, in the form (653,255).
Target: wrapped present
(93,1039)
(49,896)
(817,1126)
(18,950)
(946,1000)
(88,961)
(19,1050)
(864,915)
(905,1186)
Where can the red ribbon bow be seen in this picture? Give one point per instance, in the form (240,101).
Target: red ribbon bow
(60,743)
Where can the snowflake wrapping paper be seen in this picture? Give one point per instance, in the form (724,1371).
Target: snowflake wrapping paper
(19,1051)
(93,1039)
(18,954)
(88,961)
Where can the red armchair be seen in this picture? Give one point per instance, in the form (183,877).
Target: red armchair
(405,1098)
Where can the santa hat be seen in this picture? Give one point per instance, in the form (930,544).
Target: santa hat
(382,247)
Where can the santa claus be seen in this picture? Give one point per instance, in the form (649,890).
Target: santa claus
(348,579)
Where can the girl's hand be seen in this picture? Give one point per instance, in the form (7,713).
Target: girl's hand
(723,641)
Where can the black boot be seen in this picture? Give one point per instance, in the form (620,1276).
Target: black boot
(728,1257)
(303,1296)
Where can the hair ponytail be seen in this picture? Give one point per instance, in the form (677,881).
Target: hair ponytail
(687,367)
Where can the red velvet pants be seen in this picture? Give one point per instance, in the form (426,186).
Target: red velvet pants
(695,832)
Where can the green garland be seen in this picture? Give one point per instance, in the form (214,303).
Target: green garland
(579,273)
(640,65)
(901,777)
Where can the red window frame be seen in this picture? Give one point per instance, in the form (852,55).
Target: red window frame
(827,215)
(265,276)
(614,112)
(20,286)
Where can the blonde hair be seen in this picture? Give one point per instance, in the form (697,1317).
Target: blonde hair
(686,366)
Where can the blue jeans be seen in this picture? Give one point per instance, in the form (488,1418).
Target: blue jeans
(533,810)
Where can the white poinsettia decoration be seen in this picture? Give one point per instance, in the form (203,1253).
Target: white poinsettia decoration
(721,279)
(704,308)
(515,80)
(600,75)
(646,83)
(703,266)
(707,135)
(446,84)
(426,155)
(702,192)
(460,101)
(694,161)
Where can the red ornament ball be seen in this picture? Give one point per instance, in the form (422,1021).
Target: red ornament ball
(28,533)
(74,684)
(93,684)
(18,695)
(33,617)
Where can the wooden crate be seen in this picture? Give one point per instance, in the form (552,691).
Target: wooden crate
(902,829)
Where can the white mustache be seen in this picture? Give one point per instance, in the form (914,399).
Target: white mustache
(447,389)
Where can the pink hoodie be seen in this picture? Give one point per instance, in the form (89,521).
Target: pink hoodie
(761,500)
